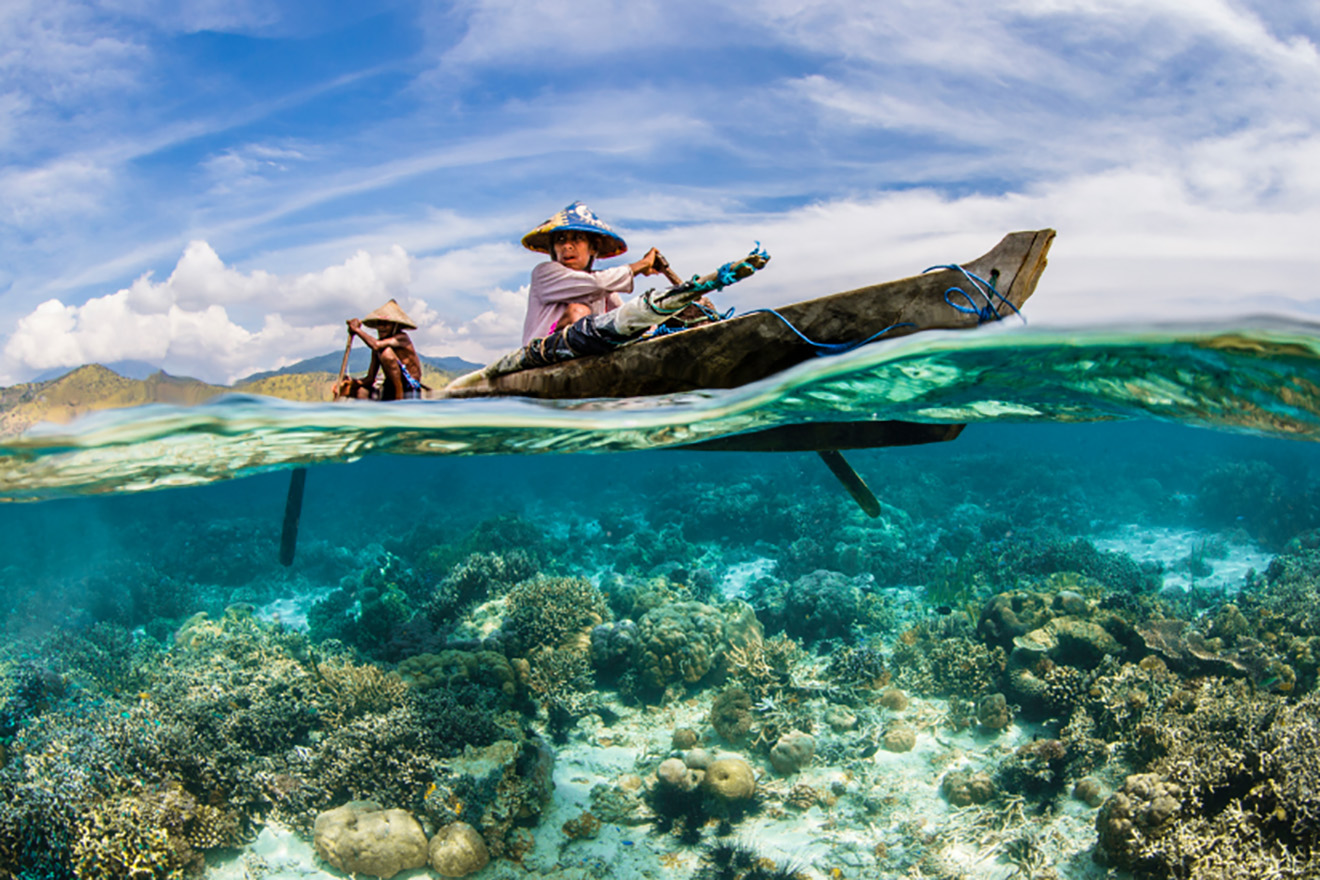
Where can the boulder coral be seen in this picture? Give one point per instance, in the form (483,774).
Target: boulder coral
(453,669)
(675,773)
(679,643)
(731,779)
(964,787)
(1135,817)
(792,752)
(362,838)
(457,850)
(820,605)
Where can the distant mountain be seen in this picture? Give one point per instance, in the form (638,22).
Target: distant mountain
(358,361)
(95,387)
(127,369)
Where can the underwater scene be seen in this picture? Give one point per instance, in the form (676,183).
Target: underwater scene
(521,639)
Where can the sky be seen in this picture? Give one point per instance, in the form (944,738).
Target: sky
(214,186)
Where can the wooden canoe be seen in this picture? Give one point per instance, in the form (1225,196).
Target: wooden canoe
(743,349)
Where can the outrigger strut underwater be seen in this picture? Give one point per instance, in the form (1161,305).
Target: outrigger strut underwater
(675,341)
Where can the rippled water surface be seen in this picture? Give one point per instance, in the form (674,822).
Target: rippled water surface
(1260,376)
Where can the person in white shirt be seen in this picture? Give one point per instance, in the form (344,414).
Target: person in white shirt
(573,310)
(566,288)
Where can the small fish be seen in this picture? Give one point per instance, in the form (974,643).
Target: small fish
(943,610)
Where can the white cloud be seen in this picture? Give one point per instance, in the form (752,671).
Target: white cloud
(54,55)
(250,165)
(192,16)
(53,192)
(189,323)
(1205,233)
(512,31)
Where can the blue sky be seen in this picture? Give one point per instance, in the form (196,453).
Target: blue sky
(214,186)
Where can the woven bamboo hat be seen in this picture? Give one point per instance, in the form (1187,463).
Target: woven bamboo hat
(390,313)
(581,218)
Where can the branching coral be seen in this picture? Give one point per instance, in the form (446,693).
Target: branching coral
(546,611)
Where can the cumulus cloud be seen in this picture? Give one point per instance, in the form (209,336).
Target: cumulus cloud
(187,322)
(1198,236)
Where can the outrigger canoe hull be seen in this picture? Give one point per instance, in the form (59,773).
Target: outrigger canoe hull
(728,354)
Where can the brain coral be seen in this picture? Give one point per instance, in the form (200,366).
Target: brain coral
(731,779)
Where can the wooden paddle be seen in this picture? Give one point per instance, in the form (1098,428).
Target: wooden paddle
(663,265)
(343,365)
(298,481)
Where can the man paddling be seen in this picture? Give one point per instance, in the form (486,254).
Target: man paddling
(392,353)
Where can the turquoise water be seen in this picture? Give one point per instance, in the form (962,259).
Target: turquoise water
(1149,498)
(1258,378)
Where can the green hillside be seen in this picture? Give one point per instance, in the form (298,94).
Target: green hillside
(94,387)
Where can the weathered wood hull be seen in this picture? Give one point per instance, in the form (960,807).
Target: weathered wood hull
(750,347)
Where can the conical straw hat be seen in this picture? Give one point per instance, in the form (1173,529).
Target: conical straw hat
(390,313)
(576,216)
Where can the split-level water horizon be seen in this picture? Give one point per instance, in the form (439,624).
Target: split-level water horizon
(1079,640)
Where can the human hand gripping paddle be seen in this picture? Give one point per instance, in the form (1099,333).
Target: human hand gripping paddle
(298,481)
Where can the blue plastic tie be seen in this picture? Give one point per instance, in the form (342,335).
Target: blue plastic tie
(829,348)
(988,312)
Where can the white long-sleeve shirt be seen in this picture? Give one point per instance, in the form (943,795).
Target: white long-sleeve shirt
(554,286)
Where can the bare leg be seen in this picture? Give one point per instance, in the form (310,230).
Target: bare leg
(389,363)
(573,313)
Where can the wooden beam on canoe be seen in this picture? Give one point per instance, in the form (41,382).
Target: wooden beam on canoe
(826,436)
(292,514)
(851,480)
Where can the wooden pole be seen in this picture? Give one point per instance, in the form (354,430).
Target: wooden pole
(851,481)
(292,513)
(343,365)
(298,482)
(663,265)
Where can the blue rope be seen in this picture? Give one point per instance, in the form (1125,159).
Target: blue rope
(988,312)
(828,348)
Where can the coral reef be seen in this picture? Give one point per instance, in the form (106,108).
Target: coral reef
(731,715)
(793,751)
(679,644)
